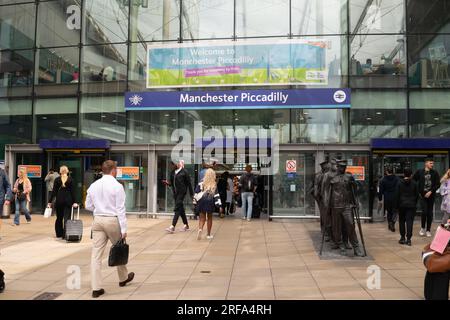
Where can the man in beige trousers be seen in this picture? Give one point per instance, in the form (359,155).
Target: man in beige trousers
(106,198)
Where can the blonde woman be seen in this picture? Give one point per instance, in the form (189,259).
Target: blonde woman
(22,189)
(445,193)
(208,202)
(64,194)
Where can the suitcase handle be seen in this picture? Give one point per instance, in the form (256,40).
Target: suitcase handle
(78,213)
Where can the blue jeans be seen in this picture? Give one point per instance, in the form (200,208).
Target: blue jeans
(21,205)
(247,196)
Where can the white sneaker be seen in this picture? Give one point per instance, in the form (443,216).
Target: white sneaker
(199,234)
(185,228)
(428,234)
(244,218)
(170,229)
(422,232)
(210,237)
(248,220)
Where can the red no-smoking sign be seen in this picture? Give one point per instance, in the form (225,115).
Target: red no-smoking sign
(291,166)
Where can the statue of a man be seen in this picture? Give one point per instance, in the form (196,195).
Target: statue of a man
(326,196)
(318,179)
(342,200)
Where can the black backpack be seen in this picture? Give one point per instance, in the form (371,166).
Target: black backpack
(248,183)
(2,281)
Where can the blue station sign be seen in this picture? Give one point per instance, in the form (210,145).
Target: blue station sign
(238,99)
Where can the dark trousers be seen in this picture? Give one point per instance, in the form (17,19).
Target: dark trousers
(179,210)
(436,286)
(427,212)
(62,215)
(406,219)
(390,212)
(342,218)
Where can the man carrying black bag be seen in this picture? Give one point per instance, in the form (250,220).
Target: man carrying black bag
(106,198)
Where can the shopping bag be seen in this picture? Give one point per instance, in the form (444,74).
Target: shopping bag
(440,241)
(48,212)
(118,255)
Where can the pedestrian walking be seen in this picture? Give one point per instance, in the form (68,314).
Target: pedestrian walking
(209,199)
(445,193)
(222,187)
(6,195)
(106,199)
(22,190)
(428,182)
(247,185)
(388,186)
(63,194)
(50,181)
(406,198)
(180,182)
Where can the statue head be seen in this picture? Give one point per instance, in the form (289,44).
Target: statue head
(341,166)
(333,165)
(325,166)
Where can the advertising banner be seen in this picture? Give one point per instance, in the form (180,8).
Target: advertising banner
(357,172)
(33,171)
(238,63)
(127,173)
(238,99)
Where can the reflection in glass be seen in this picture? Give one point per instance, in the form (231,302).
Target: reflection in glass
(15,120)
(426,17)
(378,61)
(17,26)
(16,70)
(151,127)
(319,17)
(318,126)
(387,16)
(157,20)
(57,66)
(257,18)
(207,19)
(59,23)
(56,118)
(429,60)
(103,118)
(105,21)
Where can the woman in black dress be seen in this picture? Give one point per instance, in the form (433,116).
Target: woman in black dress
(64,194)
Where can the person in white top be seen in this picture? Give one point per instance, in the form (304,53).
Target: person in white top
(106,198)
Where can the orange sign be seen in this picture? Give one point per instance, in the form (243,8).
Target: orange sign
(357,172)
(127,173)
(33,171)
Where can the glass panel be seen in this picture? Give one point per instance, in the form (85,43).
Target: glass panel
(14,1)
(59,23)
(378,61)
(378,114)
(56,118)
(105,21)
(430,119)
(103,118)
(16,72)
(157,20)
(318,126)
(57,72)
(151,126)
(15,121)
(207,19)
(428,17)
(387,16)
(137,72)
(291,196)
(17,26)
(319,17)
(104,68)
(38,193)
(136,190)
(429,60)
(256,18)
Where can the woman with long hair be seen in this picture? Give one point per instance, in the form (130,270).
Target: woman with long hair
(64,194)
(22,190)
(207,203)
(445,193)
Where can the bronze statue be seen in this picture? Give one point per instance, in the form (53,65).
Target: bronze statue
(342,201)
(317,194)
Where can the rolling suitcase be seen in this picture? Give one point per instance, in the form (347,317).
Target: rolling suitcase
(74,228)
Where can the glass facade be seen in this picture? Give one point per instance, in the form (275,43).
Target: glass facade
(65,65)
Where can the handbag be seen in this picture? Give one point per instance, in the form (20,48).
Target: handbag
(118,255)
(21,196)
(48,212)
(199,195)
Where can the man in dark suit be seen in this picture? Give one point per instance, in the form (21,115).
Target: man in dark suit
(181,184)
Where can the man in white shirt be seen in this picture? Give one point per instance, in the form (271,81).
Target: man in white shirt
(106,198)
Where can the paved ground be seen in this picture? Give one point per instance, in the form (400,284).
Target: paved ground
(245,260)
